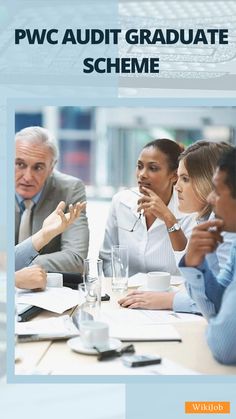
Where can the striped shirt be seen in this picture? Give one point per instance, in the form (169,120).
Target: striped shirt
(149,249)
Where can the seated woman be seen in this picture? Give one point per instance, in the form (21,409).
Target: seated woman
(56,223)
(196,167)
(145,233)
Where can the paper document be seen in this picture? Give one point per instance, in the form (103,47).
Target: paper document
(145,325)
(52,328)
(56,300)
(126,316)
(169,316)
(131,325)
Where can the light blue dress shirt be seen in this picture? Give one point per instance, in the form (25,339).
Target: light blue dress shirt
(216,261)
(216,298)
(24,254)
(20,200)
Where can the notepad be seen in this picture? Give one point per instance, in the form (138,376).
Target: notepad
(128,325)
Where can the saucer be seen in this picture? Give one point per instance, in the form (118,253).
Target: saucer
(76,345)
(144,288)
(176,280)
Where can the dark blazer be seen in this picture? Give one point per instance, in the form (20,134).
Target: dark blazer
(66,251)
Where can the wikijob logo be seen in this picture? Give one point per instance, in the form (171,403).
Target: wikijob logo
(198,407)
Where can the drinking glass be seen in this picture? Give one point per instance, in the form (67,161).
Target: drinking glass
(92,270)
(91,287)
(119,261)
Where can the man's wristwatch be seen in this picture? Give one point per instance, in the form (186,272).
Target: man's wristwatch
(175,227)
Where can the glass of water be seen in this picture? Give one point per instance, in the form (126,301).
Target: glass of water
(92,277)
(92,270)
(120,264)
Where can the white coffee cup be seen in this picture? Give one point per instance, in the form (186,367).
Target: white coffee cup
(94,334)
(158,281)
(55,279)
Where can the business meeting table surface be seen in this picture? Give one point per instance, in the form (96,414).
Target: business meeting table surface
(190,356)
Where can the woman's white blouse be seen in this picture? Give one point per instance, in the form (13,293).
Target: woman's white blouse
(149,250)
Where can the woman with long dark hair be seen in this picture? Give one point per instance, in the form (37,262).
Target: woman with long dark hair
(148,235)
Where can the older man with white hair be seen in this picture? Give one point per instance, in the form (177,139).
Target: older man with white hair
(39,189)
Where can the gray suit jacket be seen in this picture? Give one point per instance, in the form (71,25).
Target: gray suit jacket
(67,251)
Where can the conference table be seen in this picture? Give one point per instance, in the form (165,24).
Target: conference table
(191,356)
